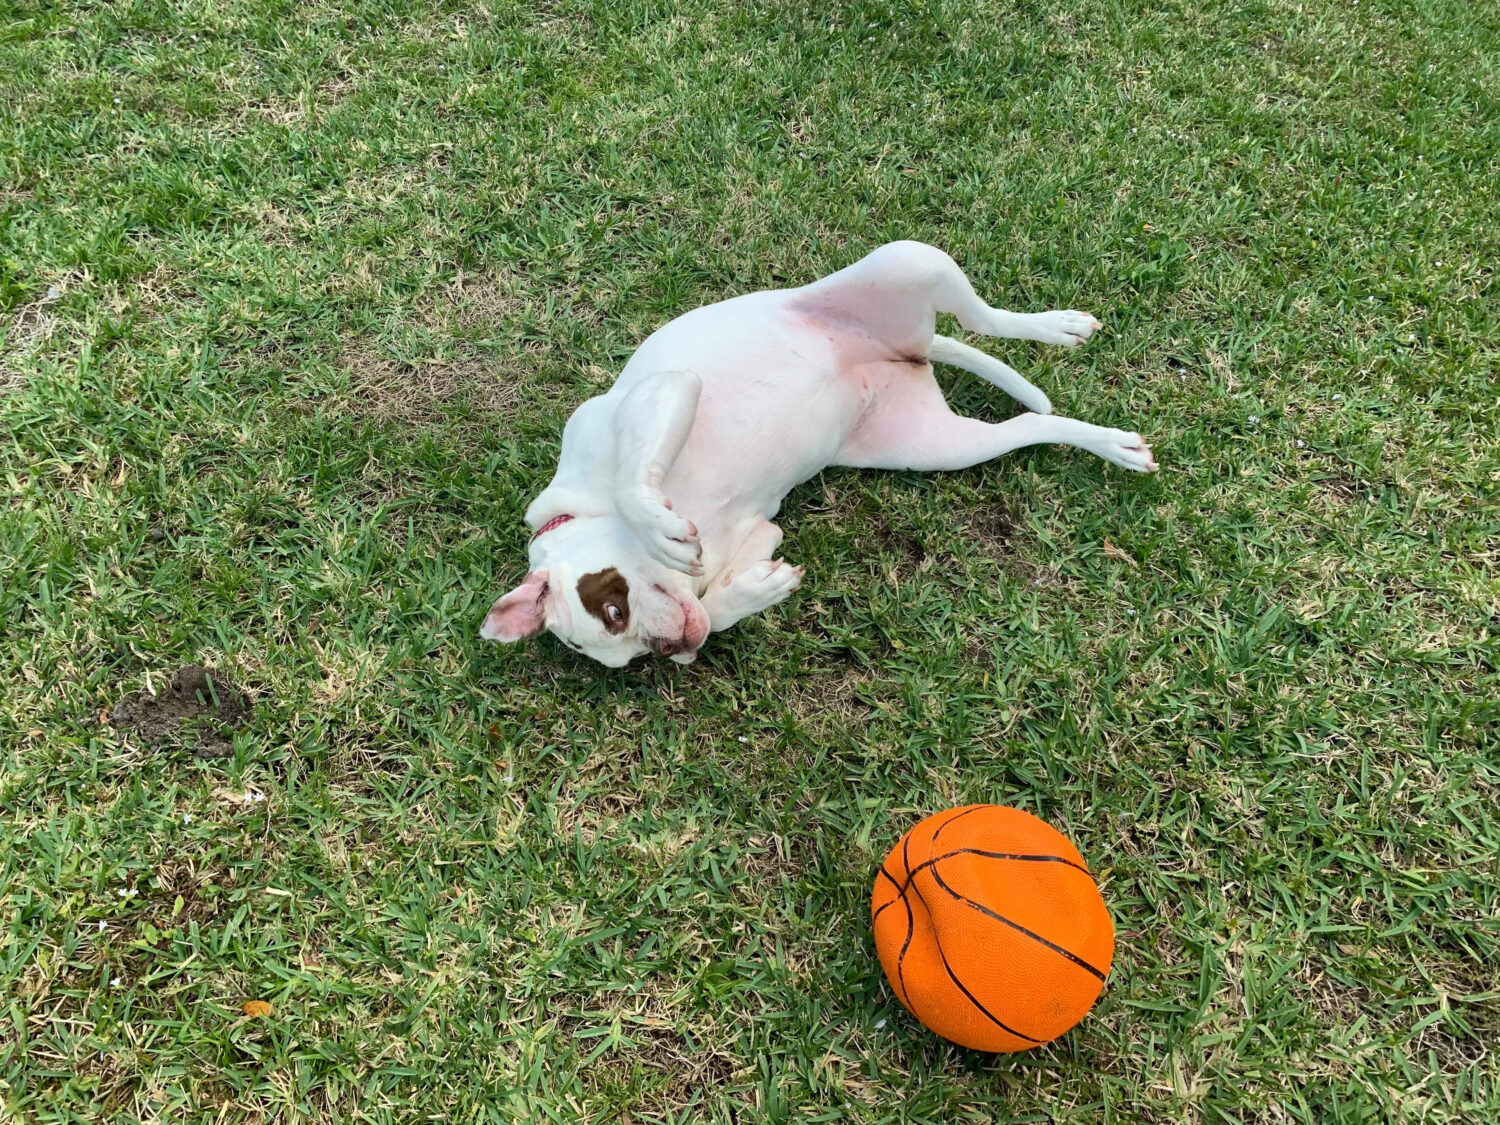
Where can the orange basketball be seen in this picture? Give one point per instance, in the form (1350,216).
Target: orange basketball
(990,928)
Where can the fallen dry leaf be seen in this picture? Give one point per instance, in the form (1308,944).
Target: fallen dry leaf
(248,797)
(255,1009)
(1115,553)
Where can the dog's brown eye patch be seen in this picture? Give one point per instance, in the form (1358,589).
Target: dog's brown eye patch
(606,588)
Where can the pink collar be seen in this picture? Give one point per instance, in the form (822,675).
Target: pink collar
(555,521)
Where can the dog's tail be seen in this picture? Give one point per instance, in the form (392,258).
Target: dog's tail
(947,350)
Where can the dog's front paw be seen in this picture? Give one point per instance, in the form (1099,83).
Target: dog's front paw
(1067,327)
(667,537)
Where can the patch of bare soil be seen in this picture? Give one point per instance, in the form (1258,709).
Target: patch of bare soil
(198,702)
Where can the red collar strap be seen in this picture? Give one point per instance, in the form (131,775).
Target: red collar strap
(555,521)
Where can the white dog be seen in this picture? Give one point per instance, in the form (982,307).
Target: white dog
(656,529)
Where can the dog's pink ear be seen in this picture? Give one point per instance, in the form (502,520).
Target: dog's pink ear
(520,613)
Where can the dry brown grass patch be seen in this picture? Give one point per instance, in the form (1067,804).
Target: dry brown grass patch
(471,301)
(831,701)
(687,1058)
(422,393)
(31,325)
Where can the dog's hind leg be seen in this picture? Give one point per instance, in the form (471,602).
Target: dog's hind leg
(895,292)
(913,428)
(752,581)
(987,367)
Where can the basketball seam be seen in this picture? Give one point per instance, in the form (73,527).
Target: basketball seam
(910,930)
(911,919)
(987,855)
(1071,956)
(960,816)
(961,986)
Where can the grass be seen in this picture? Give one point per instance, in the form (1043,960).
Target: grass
(295,300)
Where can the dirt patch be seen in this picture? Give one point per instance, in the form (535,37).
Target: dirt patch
(198,702)
(904,549)
(413,393)
(979,651)
(992,530)
(1346,489)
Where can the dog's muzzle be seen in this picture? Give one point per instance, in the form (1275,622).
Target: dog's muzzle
(679,649)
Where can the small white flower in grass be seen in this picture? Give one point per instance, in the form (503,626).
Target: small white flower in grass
(1411,337)
(1254,418)
(1130,613)
(103,925)
(117,101)
(509,778)
(187,818)
(1300,443)
(1338,398)
(53,292)
(1438,262)
(116,982)
(879,1023)
(194,38)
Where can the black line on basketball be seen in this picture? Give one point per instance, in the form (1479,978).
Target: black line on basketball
(900,891)
(979,906)
(989,1015)
(990,855)
(910,929)
(1009,855)
(951,819)
(911,920)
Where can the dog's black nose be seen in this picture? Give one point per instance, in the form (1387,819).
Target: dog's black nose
(666,646)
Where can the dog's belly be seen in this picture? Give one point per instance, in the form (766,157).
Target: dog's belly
(778,402)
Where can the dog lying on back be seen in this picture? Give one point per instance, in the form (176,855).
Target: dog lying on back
(656,529)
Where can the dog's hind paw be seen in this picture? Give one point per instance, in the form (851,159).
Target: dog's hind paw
(743,592)
(1127,450)
(765,584)
(1067,327)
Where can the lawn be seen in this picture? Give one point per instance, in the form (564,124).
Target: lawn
(294,299)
